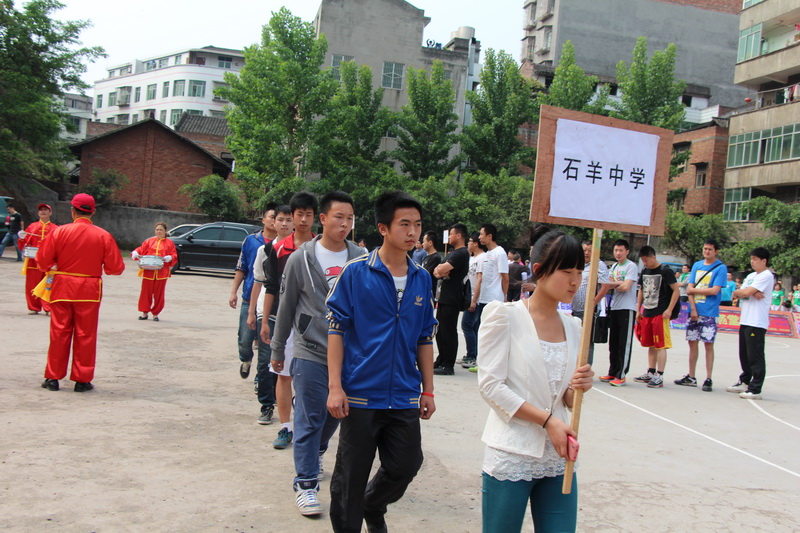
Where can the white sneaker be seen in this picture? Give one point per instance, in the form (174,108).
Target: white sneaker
(321,474)
(307,503)
(737,387)
(747,395)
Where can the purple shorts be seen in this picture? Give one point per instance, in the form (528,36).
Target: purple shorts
(703,329)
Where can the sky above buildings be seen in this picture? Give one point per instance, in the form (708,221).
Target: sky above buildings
(136,30)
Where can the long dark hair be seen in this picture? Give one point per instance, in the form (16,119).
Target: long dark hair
(554,250)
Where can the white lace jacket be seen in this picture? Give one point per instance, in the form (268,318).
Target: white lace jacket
(511,371)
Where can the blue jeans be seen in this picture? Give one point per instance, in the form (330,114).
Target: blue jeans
(10,238)
(246,335)
(313,425)
(504,504)
(265,380)
(470,321)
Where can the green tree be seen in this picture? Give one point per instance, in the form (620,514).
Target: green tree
(572,88)
(275,97)
(346,143)
(783,221)
(427,125)
(216,197)
(684,234)
(104,184)
(500,105)
(650,94)
(40,58)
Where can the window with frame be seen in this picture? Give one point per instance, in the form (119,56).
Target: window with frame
(700,176)
(75,121)
(123,119)
(165,90)
(217,114)
(134,118)
(781,143)
(177,60)
(162,116)
(137,94)
(110,120)
(548,37)
(749,43)
(732,207)
(99,101)
(743,149)
(151,92)
(224,61)
(174,116)
(336,62)
(748,3)
(679,149)
(162,63)
(392,75)
(149,65)
(197,88)
(178,87)
(112,98)
(195,112)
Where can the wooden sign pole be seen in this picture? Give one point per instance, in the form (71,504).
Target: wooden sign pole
(586,340)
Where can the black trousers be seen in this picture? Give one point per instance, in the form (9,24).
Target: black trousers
(751,357)
(580,315)
(395,433)
(447,335)
(620,342)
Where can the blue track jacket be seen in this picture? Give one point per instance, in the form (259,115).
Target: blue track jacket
(379,370)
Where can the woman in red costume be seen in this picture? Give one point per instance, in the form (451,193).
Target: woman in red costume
(151,299)
(34,234)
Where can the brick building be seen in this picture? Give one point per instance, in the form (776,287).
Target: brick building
(703,175)
(207,132)
(155,159)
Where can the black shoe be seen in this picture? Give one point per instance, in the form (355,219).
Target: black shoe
(50,384)
(443,371)
(244,369)
(142,317)
(155,319)
(83,387)
(708,385)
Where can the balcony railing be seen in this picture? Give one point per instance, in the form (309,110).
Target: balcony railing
(783,95)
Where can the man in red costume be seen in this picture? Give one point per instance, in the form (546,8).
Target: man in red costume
(35,233)
(81,251)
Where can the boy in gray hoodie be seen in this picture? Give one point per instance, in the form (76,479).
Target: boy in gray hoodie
(309,274)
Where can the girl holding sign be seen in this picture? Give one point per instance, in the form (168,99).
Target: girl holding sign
(528,352)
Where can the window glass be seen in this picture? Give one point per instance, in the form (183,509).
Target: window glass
(234,234)
(392,75)
(213,233)
(197,88)
(178,87)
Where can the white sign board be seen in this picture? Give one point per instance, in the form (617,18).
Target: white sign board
(603,173)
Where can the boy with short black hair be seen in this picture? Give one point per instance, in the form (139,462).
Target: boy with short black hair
(379,354)
(658,295)
(622,279)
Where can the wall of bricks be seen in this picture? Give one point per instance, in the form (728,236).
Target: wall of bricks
(157,163)
(721,6)
(708,145)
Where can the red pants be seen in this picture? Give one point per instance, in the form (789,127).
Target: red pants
(151,299)
(32,279)
(72,323)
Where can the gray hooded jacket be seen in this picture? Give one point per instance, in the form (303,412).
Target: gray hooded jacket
(304,289)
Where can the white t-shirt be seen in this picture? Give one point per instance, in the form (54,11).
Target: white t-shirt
(259,276)
(495,262)
(400,287)
(330,262)
(624,272)
(755,312)
(475,263)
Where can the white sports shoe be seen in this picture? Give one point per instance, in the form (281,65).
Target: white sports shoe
(747,395)
(737,387)
(307,503)
(321,474)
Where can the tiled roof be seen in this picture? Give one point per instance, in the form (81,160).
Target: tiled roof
(204,125)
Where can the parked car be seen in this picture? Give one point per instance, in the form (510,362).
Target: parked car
(213,246)
(177,231)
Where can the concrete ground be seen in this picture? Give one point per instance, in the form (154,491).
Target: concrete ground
(168,440)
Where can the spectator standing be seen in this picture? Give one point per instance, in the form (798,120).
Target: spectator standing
(796,299)
(753,325)
(683,282)
(706,280)
(452,273)
(777,297)
(727,291)
(13,225)
(579,301)
(433,259)
(622,276)
(471,320)
(419,253)
(515,276)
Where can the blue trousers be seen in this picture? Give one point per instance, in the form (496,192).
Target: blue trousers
(313,425)
(246,335)
(504,504)
(10,238)
(470,321)
(265,380)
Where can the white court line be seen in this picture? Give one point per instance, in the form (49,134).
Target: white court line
(754,404)
(690,430)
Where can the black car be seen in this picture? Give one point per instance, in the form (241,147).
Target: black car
(213,246)
(177,231)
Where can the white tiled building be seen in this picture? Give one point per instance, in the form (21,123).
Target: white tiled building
(165,86)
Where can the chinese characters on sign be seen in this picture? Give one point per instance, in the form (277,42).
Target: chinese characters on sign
(603,173)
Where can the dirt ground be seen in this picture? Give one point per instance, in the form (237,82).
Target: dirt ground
(168,440)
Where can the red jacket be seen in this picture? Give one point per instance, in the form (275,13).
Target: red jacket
(160,247)
(36,231)
(79,248)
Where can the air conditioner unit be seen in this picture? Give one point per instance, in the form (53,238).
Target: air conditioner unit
(124,99)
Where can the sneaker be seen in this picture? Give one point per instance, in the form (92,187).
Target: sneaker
(244,370)
(266,416)
(656,381)
(687,381)
(606,379)
(284,439)
(474,369)
(749,395)
(737,387)
(307,503)
(321,474)
(617,382)
(442,371)
(468,362)
(707,384)
(644,378)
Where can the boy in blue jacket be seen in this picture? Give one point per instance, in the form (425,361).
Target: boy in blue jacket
(380,353)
